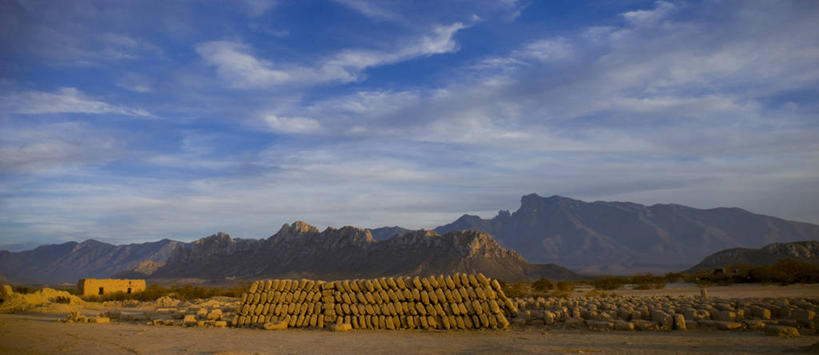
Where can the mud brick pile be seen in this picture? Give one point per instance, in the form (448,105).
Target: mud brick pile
(459,301)
(778,316)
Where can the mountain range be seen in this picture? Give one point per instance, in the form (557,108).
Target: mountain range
(625,237)
(296,251)
(589,237)
(300,250)
(71,261)
(804,251)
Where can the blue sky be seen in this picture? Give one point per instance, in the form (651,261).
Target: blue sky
(128,121)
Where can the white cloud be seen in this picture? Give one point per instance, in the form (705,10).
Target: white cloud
(55,148)
(136,83)
(291,124)
(546,50)
(65,100)
(242,69)
(647,17)
(256,8)
(238,67)
(371,9)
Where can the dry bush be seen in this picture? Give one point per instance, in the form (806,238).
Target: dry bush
(542,285)
(564,286)
(608,282)
(518,289)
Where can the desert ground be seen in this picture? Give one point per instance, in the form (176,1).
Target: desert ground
(40,334)
(37,331)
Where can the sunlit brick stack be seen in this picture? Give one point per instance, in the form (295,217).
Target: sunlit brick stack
(457,301)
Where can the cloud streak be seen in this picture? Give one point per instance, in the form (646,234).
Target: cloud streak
(242,69)
(64,100)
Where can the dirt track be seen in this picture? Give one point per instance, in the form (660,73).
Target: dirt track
(40,333)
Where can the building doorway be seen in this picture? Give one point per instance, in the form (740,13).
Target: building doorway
(101,290)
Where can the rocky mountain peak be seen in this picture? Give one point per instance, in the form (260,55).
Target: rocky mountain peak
(298,228)
(218,238)
(90,244)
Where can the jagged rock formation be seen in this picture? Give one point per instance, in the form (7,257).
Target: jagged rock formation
(69,262)
(385,233)
(624,237)
(301,251)
(805,251)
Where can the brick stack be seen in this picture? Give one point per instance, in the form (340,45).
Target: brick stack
(458,301)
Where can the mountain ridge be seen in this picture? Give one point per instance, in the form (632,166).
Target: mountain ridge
(627,237)
(804,251)
(591,237)
(351,252)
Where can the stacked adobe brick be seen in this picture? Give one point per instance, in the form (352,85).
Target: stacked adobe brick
(458,301)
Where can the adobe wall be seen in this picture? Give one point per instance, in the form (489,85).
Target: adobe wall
(91,287)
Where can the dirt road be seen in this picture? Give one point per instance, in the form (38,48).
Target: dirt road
(38,333)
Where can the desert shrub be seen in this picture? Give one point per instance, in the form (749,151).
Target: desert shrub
(24,289)
(608,282)
(542,285)
(786,271)
(598,293)
(674,277)
(519,289)
(648,281)
(62,299)
(564,286)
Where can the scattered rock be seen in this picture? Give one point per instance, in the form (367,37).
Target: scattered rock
(100,320)
(623,325)
(167,302)
(679,322)
(724,325)
(215,314)
(783,331)
(275,326)
(6,292)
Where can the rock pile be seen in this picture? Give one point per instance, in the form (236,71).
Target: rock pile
(77,317)
(39,300)
(457,301)
(783,315)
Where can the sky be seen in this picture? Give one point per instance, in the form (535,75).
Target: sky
(130,121)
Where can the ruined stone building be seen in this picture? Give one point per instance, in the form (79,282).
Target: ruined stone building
(99,287)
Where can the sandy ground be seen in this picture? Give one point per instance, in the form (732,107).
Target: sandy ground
(40,334)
